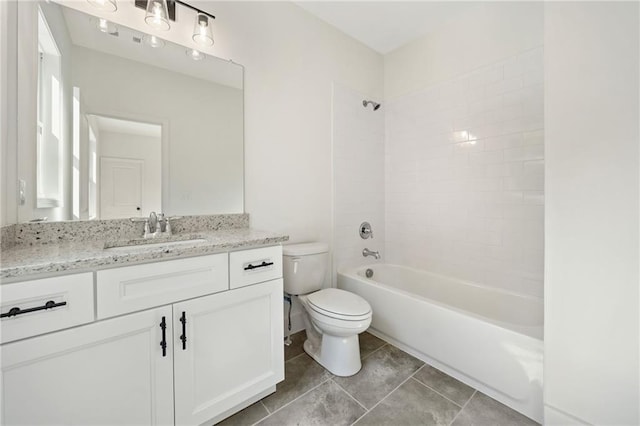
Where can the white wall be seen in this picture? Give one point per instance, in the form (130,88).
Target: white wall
(137,147)
(485,34)
(291,60)
(8,99)
(358,177)
(464,149)
(591,238)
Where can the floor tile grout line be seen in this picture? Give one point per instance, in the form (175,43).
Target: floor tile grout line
(419,369)
(297,356)
(433,390)
(295,399)
(265,407)
(375,350)
(351,396)
(385,397)
(463,407)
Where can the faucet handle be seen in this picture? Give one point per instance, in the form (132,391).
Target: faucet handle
(147,230)
(365,230)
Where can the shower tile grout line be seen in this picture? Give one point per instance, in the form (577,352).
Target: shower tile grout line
(463,407)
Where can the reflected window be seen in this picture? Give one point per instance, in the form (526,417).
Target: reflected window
(49,116)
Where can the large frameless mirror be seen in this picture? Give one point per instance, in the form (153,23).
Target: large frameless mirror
(126,123)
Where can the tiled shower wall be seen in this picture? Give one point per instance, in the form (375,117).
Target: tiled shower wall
(358,174)
(465,176)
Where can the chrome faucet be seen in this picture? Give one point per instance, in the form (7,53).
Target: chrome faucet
(366,252)
(156,224)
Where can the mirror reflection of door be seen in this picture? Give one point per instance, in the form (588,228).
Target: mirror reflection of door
(128,155)
(120,187)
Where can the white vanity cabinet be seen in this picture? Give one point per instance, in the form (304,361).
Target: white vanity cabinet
(110,372)
(195,359)
(233,349)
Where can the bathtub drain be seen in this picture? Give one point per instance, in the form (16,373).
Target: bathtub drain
(369,273)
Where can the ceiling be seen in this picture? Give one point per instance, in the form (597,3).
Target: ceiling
(115,125)
(386,25)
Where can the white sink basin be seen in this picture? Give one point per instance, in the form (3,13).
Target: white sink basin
(145,245)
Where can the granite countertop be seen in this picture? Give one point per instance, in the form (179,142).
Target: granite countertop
(23,260)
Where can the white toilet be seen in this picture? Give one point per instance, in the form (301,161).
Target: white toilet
(333,318)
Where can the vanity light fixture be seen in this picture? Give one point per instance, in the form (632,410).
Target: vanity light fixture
(202,34)
(160,12)
(157,15)
(106,5)
(196,55)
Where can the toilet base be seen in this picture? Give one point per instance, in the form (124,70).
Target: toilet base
(339,355)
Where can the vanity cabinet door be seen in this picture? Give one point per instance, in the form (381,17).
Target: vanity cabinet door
(111,372)
(233,350)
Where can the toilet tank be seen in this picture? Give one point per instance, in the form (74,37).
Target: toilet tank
(304,267)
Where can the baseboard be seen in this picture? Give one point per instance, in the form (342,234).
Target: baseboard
(555,417)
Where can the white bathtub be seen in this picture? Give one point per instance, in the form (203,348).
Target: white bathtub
(489,339)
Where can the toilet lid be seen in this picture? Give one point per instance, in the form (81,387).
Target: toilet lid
(336,302)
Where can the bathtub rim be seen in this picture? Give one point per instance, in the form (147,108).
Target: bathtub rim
(535,332)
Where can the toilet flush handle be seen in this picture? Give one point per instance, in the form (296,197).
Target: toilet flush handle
(295,264)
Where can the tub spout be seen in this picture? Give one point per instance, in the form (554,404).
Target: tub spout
(366,252)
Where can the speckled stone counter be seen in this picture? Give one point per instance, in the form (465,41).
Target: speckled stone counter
(26,260)
(116,229)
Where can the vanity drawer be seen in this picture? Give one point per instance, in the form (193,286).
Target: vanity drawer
(134,288)
(72,297)
(248,267)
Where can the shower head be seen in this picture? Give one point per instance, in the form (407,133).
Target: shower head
(375,104)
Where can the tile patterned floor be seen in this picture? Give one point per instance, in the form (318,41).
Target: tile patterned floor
(393,388)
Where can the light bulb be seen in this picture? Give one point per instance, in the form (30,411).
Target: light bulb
(157,14)
(202,31)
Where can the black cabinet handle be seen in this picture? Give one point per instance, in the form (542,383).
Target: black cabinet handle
(183,320)
(262,265)
(17,311)
(163,343)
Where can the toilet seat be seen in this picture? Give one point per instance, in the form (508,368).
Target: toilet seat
(339,304)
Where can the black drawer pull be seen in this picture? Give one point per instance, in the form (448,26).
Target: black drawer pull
(163,343)
(183,320)
(17,311)
(262,265)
